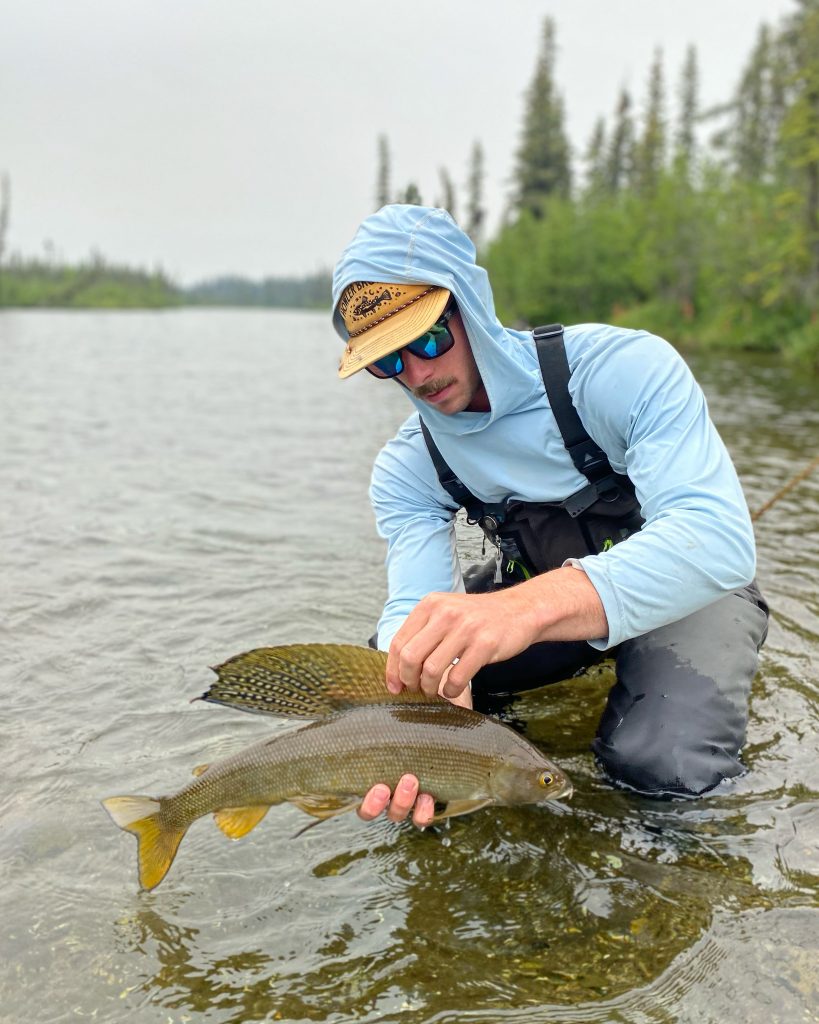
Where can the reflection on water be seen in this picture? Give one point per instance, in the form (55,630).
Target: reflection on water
(168,502)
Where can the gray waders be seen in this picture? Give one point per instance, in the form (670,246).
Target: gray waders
(675,719)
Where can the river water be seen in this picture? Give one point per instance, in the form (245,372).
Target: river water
(181,486)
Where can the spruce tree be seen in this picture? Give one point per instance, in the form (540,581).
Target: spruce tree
(382,181)
(411,195)
(543,160)
(5,211)
(595,159)
(475,212)
(685,149)
(650,150)
(800,144)
(620,161)
(447,199)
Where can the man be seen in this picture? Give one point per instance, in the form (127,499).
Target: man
(649,558)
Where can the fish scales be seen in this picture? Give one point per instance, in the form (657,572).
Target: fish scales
(451,750)
(357,738)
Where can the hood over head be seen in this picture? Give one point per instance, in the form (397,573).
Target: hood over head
(417,245)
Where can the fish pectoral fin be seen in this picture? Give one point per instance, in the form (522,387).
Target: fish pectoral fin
(456,807)
(200,769)
(236,822)
(324,806)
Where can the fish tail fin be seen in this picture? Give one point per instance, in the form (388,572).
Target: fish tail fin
(157,842)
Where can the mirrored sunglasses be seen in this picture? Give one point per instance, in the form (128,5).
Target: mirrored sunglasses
(435,342)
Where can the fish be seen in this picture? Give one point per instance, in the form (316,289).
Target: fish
(358,734)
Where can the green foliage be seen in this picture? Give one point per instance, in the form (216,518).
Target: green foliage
(94,284)
(543,164)
(650,150)
(716,247)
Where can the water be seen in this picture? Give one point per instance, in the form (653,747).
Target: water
(179,487)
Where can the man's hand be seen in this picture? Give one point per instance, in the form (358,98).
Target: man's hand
(406,795)
(460,633)
(406,798)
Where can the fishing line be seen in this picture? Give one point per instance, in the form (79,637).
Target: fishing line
(794,480)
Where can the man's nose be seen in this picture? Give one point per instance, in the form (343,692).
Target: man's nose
(416,370)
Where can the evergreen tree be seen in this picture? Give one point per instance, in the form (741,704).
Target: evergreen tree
(650,150)
(800,144)
(5,211)
(475,212)
(447,200)
(758,110)
(382,182)
(595,159)
(620,160)
(411,195)
(543,167)
(685,150)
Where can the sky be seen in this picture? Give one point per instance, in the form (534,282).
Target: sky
(240,136)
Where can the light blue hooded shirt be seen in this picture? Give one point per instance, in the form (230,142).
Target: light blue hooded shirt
(636,398)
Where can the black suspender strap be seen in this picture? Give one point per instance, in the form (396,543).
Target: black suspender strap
(587,456)
(458,491)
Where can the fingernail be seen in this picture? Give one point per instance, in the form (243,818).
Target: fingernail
(393,686)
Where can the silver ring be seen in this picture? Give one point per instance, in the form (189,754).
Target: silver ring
(455,661)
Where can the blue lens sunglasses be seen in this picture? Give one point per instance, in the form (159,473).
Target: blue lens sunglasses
(435,342)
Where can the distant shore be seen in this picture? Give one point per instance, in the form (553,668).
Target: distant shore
(96,284)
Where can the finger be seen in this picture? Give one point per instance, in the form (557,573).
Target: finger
(403,798)
(462,699)
(414,622)
(374,802)
(424,810)
(424,648)
(462,673)
(438,664)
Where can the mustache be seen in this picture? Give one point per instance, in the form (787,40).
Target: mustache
(432,386)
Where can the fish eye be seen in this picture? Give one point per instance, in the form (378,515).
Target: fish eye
(545,779)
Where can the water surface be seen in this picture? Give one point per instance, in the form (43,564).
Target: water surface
(178,487)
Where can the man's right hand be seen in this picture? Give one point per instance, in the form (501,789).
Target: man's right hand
(405,799)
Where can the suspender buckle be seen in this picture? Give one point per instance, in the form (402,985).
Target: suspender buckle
(589,460)
(547,331)
(604,489)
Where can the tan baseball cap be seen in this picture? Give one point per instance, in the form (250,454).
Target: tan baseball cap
(381,318)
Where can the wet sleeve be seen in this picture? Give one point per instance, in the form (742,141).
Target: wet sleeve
(697,543)
(416,517)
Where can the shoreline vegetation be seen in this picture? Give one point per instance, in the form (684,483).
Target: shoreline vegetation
(701,226)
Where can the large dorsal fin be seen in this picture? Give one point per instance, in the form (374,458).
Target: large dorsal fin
(305,680)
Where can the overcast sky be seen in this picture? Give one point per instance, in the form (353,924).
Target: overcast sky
(240,136)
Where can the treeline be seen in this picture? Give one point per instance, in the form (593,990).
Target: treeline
(704,240)
(97,283)
(472,217)
(701,225)
(94,284)
(311,292)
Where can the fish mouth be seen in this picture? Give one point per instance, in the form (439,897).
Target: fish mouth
(565,792)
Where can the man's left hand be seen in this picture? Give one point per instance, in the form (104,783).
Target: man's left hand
(464,632)
(475,629)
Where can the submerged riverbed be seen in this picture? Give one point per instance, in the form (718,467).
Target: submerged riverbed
(179,487)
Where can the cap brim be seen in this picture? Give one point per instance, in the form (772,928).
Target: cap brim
(394,332)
